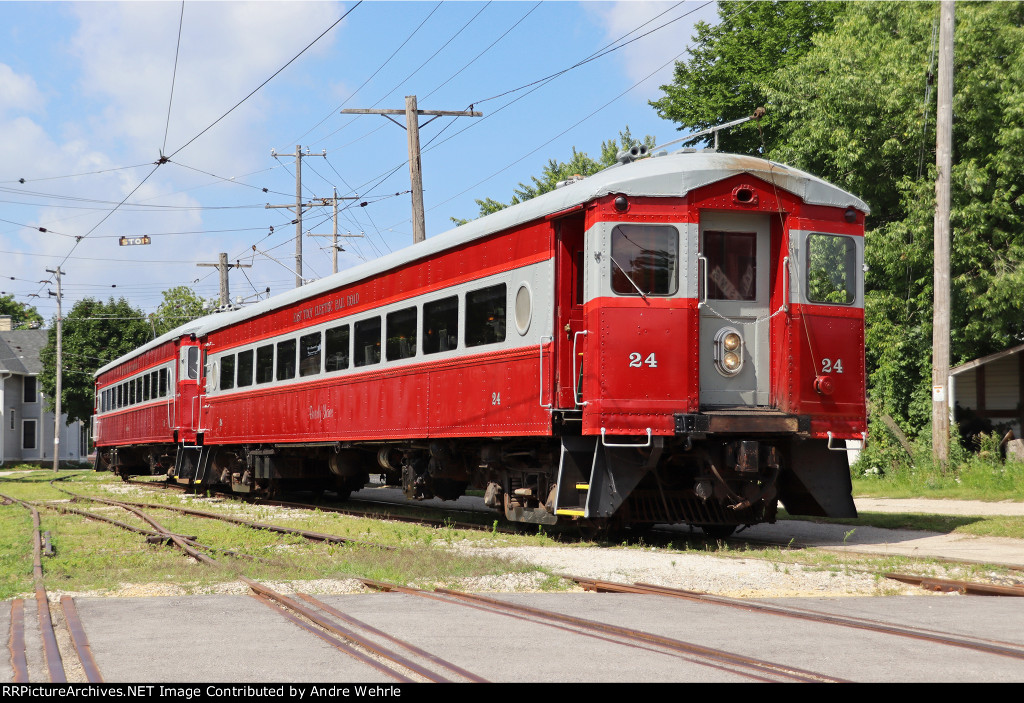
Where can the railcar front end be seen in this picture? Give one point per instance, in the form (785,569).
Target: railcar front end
(718,363)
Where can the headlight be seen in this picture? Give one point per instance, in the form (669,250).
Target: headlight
(728,351)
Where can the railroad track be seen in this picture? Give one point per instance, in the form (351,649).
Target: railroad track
(751,668)
(357,640)
(18,645)
(405,662)
(930,583)
(1001,648)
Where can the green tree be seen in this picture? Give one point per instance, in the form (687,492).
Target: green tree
(94,334)
(179,305)
(22,316)
(579,164)
(852,110)
(722,80)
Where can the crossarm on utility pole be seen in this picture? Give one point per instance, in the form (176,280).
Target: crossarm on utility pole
(412,121)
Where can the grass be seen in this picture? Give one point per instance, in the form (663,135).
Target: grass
(885,469)
(92,555)
(979,526)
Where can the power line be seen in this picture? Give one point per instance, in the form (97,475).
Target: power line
(379,69)
(174,75)
(274,75)
(77,175)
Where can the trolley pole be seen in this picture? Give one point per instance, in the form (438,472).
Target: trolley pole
(412,126)
(59,373)
(299,206)
(940,311)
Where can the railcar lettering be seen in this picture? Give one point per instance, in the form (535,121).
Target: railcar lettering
(828,367)
(325,308)
(320,412)
(495,398)
(635,363)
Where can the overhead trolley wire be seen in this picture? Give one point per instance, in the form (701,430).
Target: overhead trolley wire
(489,47)
(574,125)
(234,179)
(274,75)
(379,69)
(603,51)
(77,175)
(174,75)
(414,72)
(537,84)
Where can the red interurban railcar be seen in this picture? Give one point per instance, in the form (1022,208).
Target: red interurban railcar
(675,339)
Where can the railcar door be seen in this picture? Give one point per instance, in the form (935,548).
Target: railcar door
(734,270)
(569,323)
(187,392)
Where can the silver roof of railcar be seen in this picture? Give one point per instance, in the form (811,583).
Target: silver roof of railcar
(672,175)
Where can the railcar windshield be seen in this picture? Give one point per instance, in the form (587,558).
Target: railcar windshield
(831,269)
(645,260)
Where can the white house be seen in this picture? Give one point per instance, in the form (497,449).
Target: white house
(26,432)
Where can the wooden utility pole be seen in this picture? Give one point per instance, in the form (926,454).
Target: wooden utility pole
(59,373)
(335,248)
(940,312)
(412,126)
(222,266)
(298,206)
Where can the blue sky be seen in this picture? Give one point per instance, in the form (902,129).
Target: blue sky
(86,108)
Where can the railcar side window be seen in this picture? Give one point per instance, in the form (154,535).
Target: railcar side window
(645,257)
(401,334)
(367,341)
(485,316)
(309,354)
(245,367)
(265,364)
(131,392)
(163,382)
(731,265)
(145,387)
(441,325)
(831,269)
(337,349)
(227,372)
(286,360)
(154,384)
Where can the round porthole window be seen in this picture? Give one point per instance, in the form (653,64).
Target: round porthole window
(524,308)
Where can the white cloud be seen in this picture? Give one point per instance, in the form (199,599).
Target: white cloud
(654,53)
(127,53)
(18,93)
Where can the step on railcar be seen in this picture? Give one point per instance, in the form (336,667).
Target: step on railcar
(679,339)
